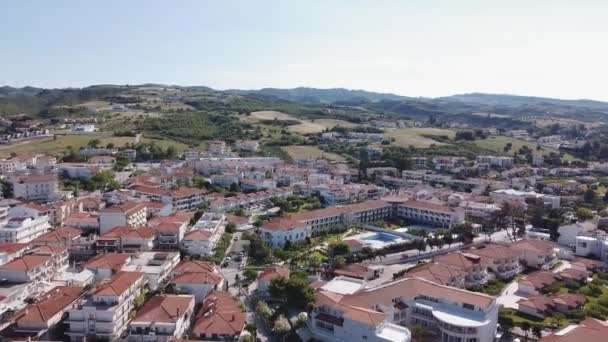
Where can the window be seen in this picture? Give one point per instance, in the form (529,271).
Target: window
(468,306)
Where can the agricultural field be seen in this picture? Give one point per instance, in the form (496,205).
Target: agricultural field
(267,115)
(419,137)
(318,125)
(303,152)
(61,143)
(498,143)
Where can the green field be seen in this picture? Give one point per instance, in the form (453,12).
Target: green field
(61,143)
(498,143)
(303,152)
(419,137)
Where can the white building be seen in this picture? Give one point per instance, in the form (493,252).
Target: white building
(280,230)
(246,145)
(23,225)
(592,245)
(204,235)
(383,313)
(512,195)
(430,213)
(494,161)
(106,312)
(36,188)
(162,318)
(130,214)
(155,266)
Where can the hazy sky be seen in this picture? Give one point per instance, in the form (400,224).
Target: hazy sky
(416,48)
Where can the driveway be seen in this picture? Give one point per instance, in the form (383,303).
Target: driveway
(510,296)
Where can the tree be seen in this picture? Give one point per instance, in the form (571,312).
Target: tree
(281,325)
(104,181)
(340,248)
(234,187)
(590,196)
(525,326)
(511,218)
(231,228)
(584,214)
(263,310)
(295,292)
(94,143)
(537,331)
(250,274)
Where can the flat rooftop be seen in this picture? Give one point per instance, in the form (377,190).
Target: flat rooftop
(343,285)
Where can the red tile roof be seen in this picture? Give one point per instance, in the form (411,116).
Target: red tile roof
(270,273)
(52,303)
(220,315)
(113,261)
(118,284)
(165,308)
(26,263)
(589,330)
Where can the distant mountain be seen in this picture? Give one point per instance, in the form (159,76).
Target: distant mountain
(25,91)
(515,100)
(316,95)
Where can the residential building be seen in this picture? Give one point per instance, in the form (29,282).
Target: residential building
(246,145)
(382,313)
(220,318)
(44,317)
(10,251)
(280,230)
(589,330)
(60,237)
(23,229)
(162,318)
(106,312)
(216,147)
(537,254)
(204,235)
(501,260)
(127,239)
(197,278)
(494,161)
(267,275)
(106,265)
(41,188)
(132,214)
(28,268)
(155,266)
(592,245)
(517,196)
(430,213)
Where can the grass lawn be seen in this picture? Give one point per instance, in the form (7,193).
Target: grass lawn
(303,152)
(419,137)
(493,287)
(497,144)
(60,145)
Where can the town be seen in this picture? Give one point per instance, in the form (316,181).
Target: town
(366,240)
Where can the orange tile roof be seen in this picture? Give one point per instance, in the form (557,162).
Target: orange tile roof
(282,224)
(112,261)
(60,234)
(26,263)
(11,247)
(270,273)
(165,308)
(118,284)
(589,330)
(52,303)
(220,315)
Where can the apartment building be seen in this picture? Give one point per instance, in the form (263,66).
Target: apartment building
(182,198)
(44,317)
(105,313)
(38,188)
(61,237)
(246,145)
(42,264)
(104,266)
(243,200)
(220,317)
(155,266)
(162,318)
(216,147)
(383,313)
(471,265)
(368,211)
(537,254)
(127,239)
(501,260)
(197,278)
(517,196)
(589,330)
(278,231)
(23,229)
(10,251)
(204,235)
(494,161)
(132,214)
(429,213)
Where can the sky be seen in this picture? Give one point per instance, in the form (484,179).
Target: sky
(428,48)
